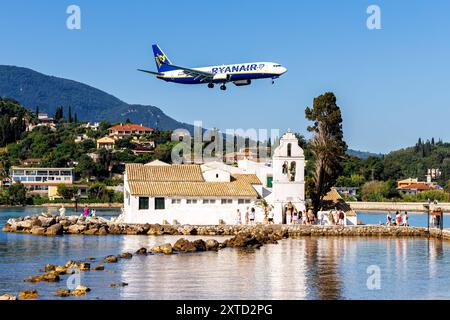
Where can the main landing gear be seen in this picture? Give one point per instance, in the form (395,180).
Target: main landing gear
(210,85)
(223,87)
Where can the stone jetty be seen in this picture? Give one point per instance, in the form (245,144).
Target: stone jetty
(53,225)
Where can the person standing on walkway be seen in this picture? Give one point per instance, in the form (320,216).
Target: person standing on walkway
(238,217)
(252,216)
(86,211)
(341,217)
(246,215)
(295,216)
(62,211)
(388,218)
(405,219)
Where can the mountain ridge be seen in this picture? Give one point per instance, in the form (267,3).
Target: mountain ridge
(32,88)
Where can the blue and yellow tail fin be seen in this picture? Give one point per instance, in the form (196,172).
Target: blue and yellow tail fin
(162,61)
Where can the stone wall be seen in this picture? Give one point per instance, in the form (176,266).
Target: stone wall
(52,225)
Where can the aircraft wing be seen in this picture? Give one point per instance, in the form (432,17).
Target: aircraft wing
(151,72)
(206,76)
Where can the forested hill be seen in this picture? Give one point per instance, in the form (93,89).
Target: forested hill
(415,161)
(32,89)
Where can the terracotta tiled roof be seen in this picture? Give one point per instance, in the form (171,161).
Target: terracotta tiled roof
(131,127)
(185,181)
(174,173)
(418,186)
(248,178)
(235,188)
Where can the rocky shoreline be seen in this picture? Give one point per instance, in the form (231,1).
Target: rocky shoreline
(47,224)
(243,236)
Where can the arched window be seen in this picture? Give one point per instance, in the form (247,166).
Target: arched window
(289,150)
(292,171)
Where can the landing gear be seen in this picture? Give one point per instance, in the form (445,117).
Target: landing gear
(273,81)
(223,87)
(210,85)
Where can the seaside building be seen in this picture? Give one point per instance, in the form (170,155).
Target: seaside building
(38,180)
(413,187)
(212,193)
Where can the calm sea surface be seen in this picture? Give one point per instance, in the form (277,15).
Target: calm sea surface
(309,268)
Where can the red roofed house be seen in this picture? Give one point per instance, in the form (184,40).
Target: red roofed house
(416,187)
(128,129)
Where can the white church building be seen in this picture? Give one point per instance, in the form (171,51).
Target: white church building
(212,193)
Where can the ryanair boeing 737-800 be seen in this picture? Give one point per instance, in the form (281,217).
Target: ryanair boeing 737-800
(240,74)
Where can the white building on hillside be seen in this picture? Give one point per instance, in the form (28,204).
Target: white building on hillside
(213,192)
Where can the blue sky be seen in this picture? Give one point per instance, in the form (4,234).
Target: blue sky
(393,84)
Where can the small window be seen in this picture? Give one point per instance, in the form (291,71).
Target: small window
(143,203)
(217,176)
(191,201)
(227,201)
(209,201)
(289,149)
(241,201)
(176,201)
(160,203)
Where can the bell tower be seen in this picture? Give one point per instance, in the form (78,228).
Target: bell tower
(288,176)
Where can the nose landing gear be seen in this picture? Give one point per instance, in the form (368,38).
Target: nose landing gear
(210,85)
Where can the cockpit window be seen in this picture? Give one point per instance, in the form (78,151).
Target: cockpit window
(277,65)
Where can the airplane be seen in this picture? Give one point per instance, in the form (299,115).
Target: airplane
(240,74)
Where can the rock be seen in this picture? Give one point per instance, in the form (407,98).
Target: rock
(80,291)
(99,268)
(142,251)
(26,224)
(165,248)
(76,229)
(111,259)
(244,239)
(28,294)
(62,293)
(6,228)
(123,284)
(102,231)
(184,245)
(51,276)
(90,259)
(7,297)
(72,219)
(49,267)
(61,270)
(188,230)
(212,245)
(33,279)
(83,266)
(47,222)
(126,255)
(91,232)
(65,223)
(112,285)
(55,230)
(38,231)
(199,245)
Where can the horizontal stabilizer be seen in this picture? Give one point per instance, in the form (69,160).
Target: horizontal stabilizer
(151,72)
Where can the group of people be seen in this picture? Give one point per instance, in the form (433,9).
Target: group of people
(249,216)
(399,219)
(294,216)
(333,217)
(86,211)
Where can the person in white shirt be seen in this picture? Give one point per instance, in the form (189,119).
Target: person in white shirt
(62,211)
(238,217)
(251,216)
